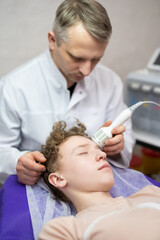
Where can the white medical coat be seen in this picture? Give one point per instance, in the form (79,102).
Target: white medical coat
(35,95)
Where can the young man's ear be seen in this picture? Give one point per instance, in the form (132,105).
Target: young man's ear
(51,40)
(57,180)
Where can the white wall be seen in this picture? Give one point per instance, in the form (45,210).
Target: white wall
(24,25)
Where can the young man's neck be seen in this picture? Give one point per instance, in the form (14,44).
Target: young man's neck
(83,201)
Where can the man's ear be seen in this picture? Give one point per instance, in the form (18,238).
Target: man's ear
(57,180)
(51,40)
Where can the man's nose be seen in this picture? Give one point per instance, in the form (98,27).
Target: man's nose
(85,68)
(101,155)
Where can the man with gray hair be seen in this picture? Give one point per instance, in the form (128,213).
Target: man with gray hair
(63,83)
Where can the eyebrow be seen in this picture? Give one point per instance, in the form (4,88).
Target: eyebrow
(82,146)
(79,57)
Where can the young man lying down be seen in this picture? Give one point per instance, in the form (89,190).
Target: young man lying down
(78,172)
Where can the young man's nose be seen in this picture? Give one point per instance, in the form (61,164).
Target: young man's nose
(85,68)
(101,155)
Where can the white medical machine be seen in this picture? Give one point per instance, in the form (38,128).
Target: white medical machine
(142,88)
(144,85)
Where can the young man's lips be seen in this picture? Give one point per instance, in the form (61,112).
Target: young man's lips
(106,165)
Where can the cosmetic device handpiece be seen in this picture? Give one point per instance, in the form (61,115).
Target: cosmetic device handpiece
(105,133)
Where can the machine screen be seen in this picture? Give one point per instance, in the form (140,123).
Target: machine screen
(154,63)
(157,62)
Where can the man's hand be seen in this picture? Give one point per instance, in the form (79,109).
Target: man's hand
(28,168)
(115,144)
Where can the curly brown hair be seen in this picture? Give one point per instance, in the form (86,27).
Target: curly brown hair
(51,152)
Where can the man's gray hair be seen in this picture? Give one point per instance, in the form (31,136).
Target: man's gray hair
(90,13)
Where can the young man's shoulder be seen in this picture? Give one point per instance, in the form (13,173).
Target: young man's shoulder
(60,228)
(148,191)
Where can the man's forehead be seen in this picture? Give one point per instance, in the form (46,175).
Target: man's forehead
(78,36)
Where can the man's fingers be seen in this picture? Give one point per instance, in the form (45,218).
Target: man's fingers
(118,130)
(28,180)
(31,161)
(107,124)
(38,156)
(29,167)
(115,140)
(114,145)
(114,148)
(31,172)
(34,166)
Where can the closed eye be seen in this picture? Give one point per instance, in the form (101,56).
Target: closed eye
(83,153)
(75,58)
